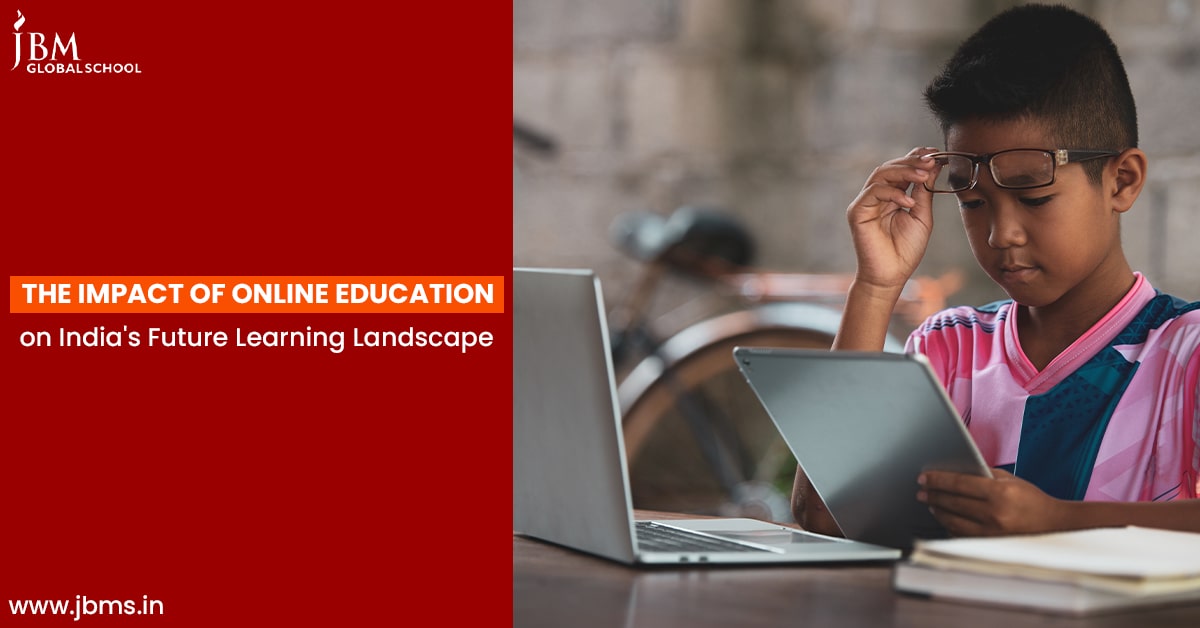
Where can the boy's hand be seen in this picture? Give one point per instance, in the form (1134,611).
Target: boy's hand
(889,241)
(969,505)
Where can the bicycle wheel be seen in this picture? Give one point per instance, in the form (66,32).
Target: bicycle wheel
(673,458)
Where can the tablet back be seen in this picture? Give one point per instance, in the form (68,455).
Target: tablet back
(863,426)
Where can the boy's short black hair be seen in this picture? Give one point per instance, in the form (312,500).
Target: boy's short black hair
(1048,63)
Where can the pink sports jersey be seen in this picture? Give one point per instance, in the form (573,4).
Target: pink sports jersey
(1113,417)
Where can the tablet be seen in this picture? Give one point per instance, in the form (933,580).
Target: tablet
(863,426)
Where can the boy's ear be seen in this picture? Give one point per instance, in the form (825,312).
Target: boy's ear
(1129,177)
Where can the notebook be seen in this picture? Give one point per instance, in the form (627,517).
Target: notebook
(863,426)
(570,479)
(1076,572)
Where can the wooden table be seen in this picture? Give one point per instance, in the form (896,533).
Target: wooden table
(559,588)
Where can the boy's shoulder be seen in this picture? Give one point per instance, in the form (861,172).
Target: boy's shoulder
(1164,313)
(1166,310)
(1170,302)
(983,318)
(1167,325)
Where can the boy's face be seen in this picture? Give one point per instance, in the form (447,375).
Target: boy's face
(1042,243)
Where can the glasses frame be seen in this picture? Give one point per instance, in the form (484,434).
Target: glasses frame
(1061,157)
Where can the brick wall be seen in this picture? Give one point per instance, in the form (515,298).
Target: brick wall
(777,110)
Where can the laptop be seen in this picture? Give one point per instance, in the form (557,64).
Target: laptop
(863,426)
(570,479)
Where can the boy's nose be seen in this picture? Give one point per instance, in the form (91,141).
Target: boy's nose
(1006,228)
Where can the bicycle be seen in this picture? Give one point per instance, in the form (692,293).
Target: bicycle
(679,384)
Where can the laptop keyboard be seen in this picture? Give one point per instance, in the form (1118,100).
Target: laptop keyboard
(656,538)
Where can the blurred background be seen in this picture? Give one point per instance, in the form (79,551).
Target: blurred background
(773,112)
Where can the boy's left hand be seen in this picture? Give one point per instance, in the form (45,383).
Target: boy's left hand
(969,505)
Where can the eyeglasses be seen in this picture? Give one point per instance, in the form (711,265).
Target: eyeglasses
(1013,169)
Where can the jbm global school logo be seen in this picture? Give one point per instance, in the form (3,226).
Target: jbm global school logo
(57,56)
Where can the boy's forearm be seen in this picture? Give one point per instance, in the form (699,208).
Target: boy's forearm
(865,319)
(1182,514)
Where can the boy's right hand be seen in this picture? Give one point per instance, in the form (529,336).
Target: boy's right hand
(890,227)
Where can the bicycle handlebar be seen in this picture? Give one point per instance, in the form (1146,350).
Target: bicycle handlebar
(692,240)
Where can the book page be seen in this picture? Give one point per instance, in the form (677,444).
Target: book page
(1128,552)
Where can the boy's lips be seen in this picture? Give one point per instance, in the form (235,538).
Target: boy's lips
(1017,272)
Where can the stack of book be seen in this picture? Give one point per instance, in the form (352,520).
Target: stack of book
(1079,572)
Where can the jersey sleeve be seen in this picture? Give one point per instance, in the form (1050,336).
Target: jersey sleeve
(927,341)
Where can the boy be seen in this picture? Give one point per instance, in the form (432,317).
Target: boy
(1082,389)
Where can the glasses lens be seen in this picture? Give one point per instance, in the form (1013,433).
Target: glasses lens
(955,173)
(1023,168)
